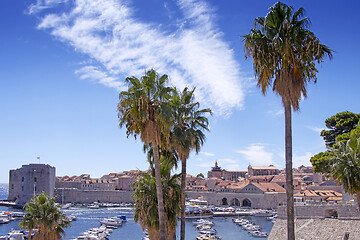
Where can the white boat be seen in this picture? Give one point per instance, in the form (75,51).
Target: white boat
(263,213)
(112,222)
(93,206)
(13,235)
(4,220)
(195,211)
(259,234)
(70,218)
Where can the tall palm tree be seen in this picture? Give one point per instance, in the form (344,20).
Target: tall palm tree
(346,165)
(145,201)
(41,213)
(284,55)
(187,134)
(144,111)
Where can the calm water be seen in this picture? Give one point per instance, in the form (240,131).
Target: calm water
(89,218)
(4,189)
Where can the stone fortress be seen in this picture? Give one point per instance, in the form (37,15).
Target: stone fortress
(258,187)
(29,180)
(320,204)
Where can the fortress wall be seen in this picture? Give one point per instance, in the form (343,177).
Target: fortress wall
(67,195)
(267,200)
(321,211)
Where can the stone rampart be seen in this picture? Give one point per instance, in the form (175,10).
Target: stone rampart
(320,211)
(72,195)
(263,200)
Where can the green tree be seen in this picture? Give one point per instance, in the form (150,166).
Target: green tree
(346,165)
(145,200)
(187,134)
(321,162)
(144,110)
(284,55)
(340,125)
(200,175)
(42,214)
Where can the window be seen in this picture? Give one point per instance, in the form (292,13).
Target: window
(22,179)
(22,188)
(35,179)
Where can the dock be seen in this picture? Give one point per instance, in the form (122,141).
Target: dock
(11,204)
(232,214)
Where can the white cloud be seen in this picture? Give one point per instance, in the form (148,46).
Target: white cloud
(257,155)
(224,161)
(94,73)
(207,154)
(304,159)
(315,129)
(205,165)
(276,112)
(109,32)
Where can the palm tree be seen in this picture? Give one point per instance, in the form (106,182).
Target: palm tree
(186,135)
(145,201)
(42,214)
(346,165)
(284,55)
(143,109)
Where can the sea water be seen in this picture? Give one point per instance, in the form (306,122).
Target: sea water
(90,218)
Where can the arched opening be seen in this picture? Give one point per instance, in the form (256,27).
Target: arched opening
(235,202)
(224,201)
(331,213)
(246,203)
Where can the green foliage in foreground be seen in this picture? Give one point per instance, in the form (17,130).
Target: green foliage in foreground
(145,200)
(340,126)
(345,165)
(42,214)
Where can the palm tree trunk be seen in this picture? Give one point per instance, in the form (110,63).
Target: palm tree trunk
(160,196)
(182,214)
(289,173)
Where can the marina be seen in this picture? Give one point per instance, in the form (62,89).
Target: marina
(88,219)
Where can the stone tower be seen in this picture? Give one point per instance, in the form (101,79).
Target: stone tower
(30,180)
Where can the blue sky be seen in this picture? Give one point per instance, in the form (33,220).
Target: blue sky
(63,63)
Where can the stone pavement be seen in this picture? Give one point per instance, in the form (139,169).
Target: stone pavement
(317,229)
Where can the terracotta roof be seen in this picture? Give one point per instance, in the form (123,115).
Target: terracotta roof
(269,187)
(265,178)
(279,178)
(318,193)
(334,199)
(97,181)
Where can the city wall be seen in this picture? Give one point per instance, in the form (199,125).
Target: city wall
(265,200)
(321,211)
(72,195)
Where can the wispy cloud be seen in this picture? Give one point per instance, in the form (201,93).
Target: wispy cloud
(257,155)
(204,165)
(195,54)
(315,129)
(207,154)
(304,159)
(276,112)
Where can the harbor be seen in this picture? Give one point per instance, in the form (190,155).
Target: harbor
(89,218)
